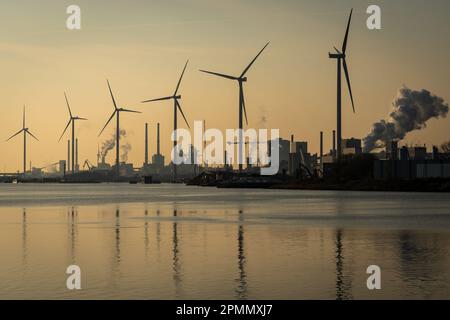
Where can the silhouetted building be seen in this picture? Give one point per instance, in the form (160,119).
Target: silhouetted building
(158,162)
(284,148)
(62,167)
(125,169)
(404,153)
(392,150)
(411,169)
(417,153)
(351,146)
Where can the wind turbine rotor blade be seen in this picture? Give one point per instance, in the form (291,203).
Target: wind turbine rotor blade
(251,63)
(182,113)
(158,99)
(109,120)
(181,77)
(112,96)
(347,77)
(219,75)
(344,44)
(65,129)
(243,106)
(68,106)
(15,134)
(31,134)
(127,110)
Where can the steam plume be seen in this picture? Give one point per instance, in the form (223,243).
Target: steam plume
(126,147)
(411,110)
(109,144)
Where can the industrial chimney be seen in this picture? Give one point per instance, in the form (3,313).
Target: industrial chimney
(76,155)
(292,145)
(205,164)
(146,144)
(291,156)
(225,158)
(321,151)
(157,141)
(393,150)
(98,155)
(68,155)
(436,155)
(334,146)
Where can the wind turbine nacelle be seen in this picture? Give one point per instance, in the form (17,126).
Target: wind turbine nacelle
(336,55)
(177,97)
(244,79)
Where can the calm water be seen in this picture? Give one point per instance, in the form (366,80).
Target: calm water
(178,242)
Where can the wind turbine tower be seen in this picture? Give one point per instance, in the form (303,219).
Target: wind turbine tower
(116,113)
(241,107)
(176,106)
(340,57)
(25,131)
(72,120)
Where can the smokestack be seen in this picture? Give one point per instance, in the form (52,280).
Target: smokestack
(68,154)
(436,153)
(393,152)
(76,154)
(225,157)
(321,151)
(292,144)
(334,145)
(291,156)
(157,141)
(98,155)
(146,144)
(192,155)
(404,153)
(204,142)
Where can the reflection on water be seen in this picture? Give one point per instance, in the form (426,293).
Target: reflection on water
(72,216)
(225,250)
(343,282)
(176,259)
(242,284)
(146,238)
(24,239)
(339,267)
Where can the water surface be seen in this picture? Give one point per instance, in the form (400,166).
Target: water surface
(179,242)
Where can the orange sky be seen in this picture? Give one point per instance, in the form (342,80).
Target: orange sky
(141,47)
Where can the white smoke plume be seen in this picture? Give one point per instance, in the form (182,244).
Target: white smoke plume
(109,144)
(126,147)
(411,110)
(52,169)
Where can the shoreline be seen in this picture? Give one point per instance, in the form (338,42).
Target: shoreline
(432,185)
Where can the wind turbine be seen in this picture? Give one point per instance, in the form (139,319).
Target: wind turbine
(240,79)
(71,120)
(25,131)
(340,56)
(176,107)
(116,113)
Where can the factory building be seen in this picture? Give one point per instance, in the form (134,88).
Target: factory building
(411,163)
(284,150)
(351,146)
